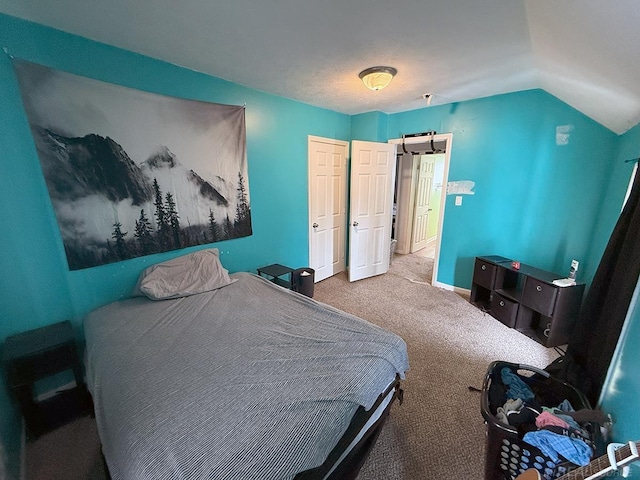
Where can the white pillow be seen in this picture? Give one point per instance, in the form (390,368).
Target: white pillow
(189,274)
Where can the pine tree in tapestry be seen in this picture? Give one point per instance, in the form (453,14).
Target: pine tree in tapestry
(227,228)
(143,234)
(243,211)
(162,225)
(172,219)
(214,228)
(120,243)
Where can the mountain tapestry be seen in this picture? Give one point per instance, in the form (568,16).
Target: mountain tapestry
(132,173)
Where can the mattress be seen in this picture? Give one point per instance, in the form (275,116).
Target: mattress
(250,381)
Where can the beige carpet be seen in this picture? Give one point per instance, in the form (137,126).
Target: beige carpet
(71,452)
(438,433)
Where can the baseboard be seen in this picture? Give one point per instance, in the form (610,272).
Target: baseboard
(444,286)
(453,288)
(465,292)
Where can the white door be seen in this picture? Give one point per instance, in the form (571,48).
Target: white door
(373,169)
(419,236)
(327,206)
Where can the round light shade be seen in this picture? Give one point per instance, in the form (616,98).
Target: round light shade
(376,78)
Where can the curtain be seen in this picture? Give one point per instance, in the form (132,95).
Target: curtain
(605,307)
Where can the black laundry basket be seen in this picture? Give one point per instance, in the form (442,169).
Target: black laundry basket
(303,281)
(506,454)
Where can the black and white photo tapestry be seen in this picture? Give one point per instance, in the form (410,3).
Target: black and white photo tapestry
(132,173)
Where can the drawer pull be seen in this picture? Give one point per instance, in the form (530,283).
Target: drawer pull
(483,267)
(502,303)
(539,288)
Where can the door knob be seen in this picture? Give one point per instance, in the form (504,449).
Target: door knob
(315,225)
(355,224)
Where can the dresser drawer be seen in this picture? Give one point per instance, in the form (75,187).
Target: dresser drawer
(504,310)
(484,273)
(539,296)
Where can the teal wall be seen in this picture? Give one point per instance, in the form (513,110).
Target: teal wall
(538,202)
(34,270)
(621,392)
(628,147)
(371,127)
(36,286)
(535,201)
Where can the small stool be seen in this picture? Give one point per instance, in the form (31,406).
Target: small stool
(275,271)
(37,354)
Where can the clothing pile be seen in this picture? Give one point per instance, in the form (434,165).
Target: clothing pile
(556,430)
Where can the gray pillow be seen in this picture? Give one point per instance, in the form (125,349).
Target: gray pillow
(189,274)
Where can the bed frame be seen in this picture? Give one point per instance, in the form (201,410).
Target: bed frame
(348,467)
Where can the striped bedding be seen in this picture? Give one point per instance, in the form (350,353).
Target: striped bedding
(250,381)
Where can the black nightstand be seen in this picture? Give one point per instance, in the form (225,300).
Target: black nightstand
(37,354)
(274,272)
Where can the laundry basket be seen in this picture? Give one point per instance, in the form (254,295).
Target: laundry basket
(506,454)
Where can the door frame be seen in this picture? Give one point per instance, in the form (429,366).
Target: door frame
(448,138)
(345,187)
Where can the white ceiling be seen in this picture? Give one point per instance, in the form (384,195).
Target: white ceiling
(585,52)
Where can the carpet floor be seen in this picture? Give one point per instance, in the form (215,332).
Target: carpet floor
(437,433)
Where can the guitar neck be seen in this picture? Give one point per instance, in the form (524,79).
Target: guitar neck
(601,465)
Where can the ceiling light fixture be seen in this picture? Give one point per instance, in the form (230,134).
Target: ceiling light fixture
(376,78)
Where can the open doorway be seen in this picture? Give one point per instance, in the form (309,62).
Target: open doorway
(419,199)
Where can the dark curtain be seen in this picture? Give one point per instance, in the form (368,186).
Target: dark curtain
(605,307)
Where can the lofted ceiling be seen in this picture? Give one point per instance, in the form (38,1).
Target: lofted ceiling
(584,52)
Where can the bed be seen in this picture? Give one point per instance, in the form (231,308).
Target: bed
(246,380)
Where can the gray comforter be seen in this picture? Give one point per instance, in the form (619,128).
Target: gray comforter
(250,381)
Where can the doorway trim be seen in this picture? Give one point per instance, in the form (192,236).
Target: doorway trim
(448,139)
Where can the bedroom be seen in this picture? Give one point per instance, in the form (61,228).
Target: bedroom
(493,139)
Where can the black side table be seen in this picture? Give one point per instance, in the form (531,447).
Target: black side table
(37,354)
(274,272)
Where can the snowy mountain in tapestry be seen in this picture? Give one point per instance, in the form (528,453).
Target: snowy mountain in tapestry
(132,173)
